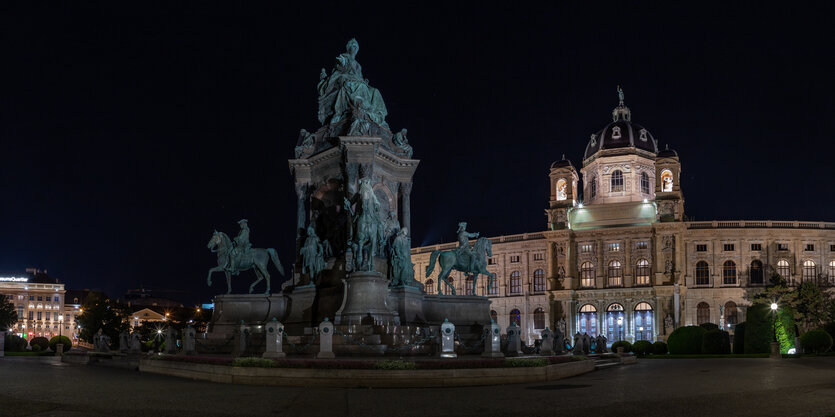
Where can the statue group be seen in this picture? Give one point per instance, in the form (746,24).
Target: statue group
(466,258)
(236,256)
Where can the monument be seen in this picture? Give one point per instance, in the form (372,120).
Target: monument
(353,182)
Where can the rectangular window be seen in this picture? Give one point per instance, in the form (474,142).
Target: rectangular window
(491,261)
(832,248)
(782,246)
(514,259)
(701,248)
(728,247)
(31,298)
(642,245)
(756,246)
(55,299)
(614,247)
(586,248)
(810,247)
(47,315)
(39,315)
(31,315)
(538,256)
(40,298)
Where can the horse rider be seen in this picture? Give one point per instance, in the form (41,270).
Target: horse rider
(242,244)
(464,244)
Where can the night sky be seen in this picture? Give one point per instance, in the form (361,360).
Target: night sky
(128,134)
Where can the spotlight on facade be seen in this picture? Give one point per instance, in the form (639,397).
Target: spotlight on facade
(774,306)
(579,205)
(646,201)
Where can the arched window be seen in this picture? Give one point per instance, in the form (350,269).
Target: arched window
(516,317)
(831,274)
(539,280)
(756,272)
(729,273)
(783,269)
(561,189)
(666,181)
(430,286)
(494,316)
(702,313)
(469,285)
(539,319)
(643,321)
(616,132)
(617,181)
(615,274)
(644,183)
(494,290)
(731,317)
(587,275)
(588,320)
(516,283)
(642,272)
(702,273)
(593,187)
(809,270)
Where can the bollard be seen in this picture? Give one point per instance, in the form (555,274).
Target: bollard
(275,338)
(59,349)
(123,342)
(189,341)
(514,341)
(2,344)
(547,347)
(493,341)
(135,343)
(325,340)
(171,341)
(448,340)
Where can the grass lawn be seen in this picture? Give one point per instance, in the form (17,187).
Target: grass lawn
(30,353)
(729,356)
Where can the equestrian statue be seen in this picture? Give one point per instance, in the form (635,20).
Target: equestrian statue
(239,255)
(367,227)
(470,260)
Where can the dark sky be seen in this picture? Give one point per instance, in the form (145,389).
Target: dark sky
(128,134)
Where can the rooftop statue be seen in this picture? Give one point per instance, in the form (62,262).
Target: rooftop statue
(470,261)
(345,93)
(232,258)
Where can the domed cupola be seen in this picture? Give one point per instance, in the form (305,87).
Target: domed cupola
(621,133)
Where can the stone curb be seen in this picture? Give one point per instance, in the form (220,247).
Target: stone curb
(350,378)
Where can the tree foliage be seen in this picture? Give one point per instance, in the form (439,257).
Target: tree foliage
(686,340)
(99,312)
(8,315)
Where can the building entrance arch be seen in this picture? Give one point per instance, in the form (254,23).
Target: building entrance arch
(615,323)
(588,320)
(643,322)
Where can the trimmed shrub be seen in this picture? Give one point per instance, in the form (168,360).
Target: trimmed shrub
(830,328)
(14,343)
(627,347)
(659,348)
(64,340)
(41,342)
(758,331)
(686,340)
(816,341)
(739,339)
(709,326)
(254,362)
(716,342)
(642,347)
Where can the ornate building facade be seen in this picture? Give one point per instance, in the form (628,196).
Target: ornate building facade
(623,261)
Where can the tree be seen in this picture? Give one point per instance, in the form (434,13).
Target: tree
(99,312)
(813,305)
(8,315)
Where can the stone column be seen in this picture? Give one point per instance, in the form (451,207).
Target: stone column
(405,205)
(301,215)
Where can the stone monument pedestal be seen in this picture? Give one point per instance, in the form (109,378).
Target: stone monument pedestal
(365,300)
(775,351)
(408,302)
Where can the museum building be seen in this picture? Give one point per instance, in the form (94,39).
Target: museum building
(42,305)
(624,262)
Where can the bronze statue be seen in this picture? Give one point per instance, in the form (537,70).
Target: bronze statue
(469,261)
(232,259)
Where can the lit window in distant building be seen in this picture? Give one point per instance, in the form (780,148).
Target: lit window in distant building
(587,275)
(809,270)
(644,183)
(642,272)
(429,286)
(831,274)
(617,181)
(729,273)
(615,274)
(730,314)
(539,280)
(783,269)
(614,247)
(756,247)
(562,185)
(586,248)
(516,283)
(642,245)
(469,284)
(666,181)
(516,317)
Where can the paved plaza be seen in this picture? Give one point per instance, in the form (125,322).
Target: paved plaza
(684,387)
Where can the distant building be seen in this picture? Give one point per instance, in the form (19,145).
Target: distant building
(622,260)
(146,314)
(39,301)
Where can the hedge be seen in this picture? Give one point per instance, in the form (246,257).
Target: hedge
(686,340)
(659,348)
(627,347)
(709,326)
(642,347)
(41,342)
(816,341)
(14,343)
(716,342)
(64,340)
(739,339)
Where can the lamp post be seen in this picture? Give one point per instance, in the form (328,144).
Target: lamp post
(775,345)
(60,335)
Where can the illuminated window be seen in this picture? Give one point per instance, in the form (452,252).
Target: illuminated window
(643,321)
(642,245)
(586,248)
(539,280)
(810,247)
(644,183)
(538,256)
(615,274)
(728,247)
(494,290)
(729,273)
(831,270)
(587,274)
(617,181)
(539,319)
(516,317)
(782,246)
(642,272)
(514,259)
(666,181)
(614,247)
(593,187)
(516,283)
(469,286)
(701,248)
(702,273)
(561,190)
(430,286)
(702,313)
(588,320)
(757,272)
(809,270)
(783,269)
(756,247)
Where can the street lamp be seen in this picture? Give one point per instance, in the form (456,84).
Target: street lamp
(774,319)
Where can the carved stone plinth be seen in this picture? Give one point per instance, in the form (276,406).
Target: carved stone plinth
(365,300)
(408,302)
